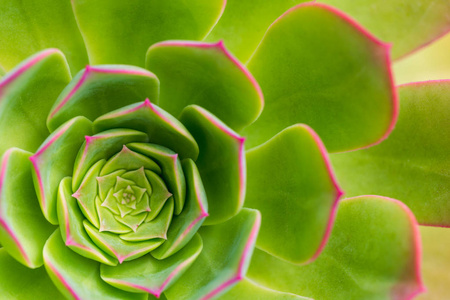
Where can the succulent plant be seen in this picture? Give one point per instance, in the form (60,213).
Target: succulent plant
(166,149)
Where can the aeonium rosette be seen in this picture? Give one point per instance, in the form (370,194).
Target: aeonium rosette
(126,183)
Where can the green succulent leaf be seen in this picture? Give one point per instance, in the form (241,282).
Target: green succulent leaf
(97,90)
(23,228)
(116,31)
(162,128)
(413,164)
(207,75)
(20,282)
(221,163)
(73,233)
(248,289)
(244,22)
(172,171)
(436,258)
(373,253)
(54,160)
(77,277)
(185,225)
(147,274)
(30,26)
(291,183)
(316,66)
(101,146)
(419,23)
(26,96)
(230,246)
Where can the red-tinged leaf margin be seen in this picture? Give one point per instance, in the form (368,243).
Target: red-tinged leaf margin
(386,46)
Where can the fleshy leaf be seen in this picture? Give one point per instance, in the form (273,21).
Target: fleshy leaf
(207,75)
(26,96)
(248,289)
(20,282)
(113,245)
(291,183)
(413,164)
(78,277)
(147,274)
(71,224)
(117,32)
(159,196)
(224,260)
(129,160)
(23,228)
(54,160)
(373,253)
(102,146)
(30,26)
(97,90)
(156,228)
(186,224)
(221,163)
(408,25)
(316,66)
(243,24)
(172,172)
(435,264)
(162,128)
(87,193)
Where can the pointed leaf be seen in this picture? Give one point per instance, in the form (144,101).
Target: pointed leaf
(413,164)
(243,24)
(151,275)
(207,75)
(394,21)
(77,277)
(159,196)
(30,26)
(113,245)
(172,172)
(73,233)
(19,282)
(117,32)
(162,128)
(23,228)
(293,186)
(373,253)
(129,160)
(97,90)
(221,163)
(316,66)
(26,96)
(54,160)
(101,146)
(186,224)
(224,260)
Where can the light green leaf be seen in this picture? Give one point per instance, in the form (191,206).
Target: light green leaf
(162,128)
(30,26)
(244,22)
(408,25)
(207,75)
(373,253)
(224,260)
(26,95)
(97,90)
(19,282)
(73,233)
(413,164)
(23,228)
(151,275)
(291,183)
(117,31)
(54,160)
(77,277)
(221,163)
(315,66)
(127,159)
